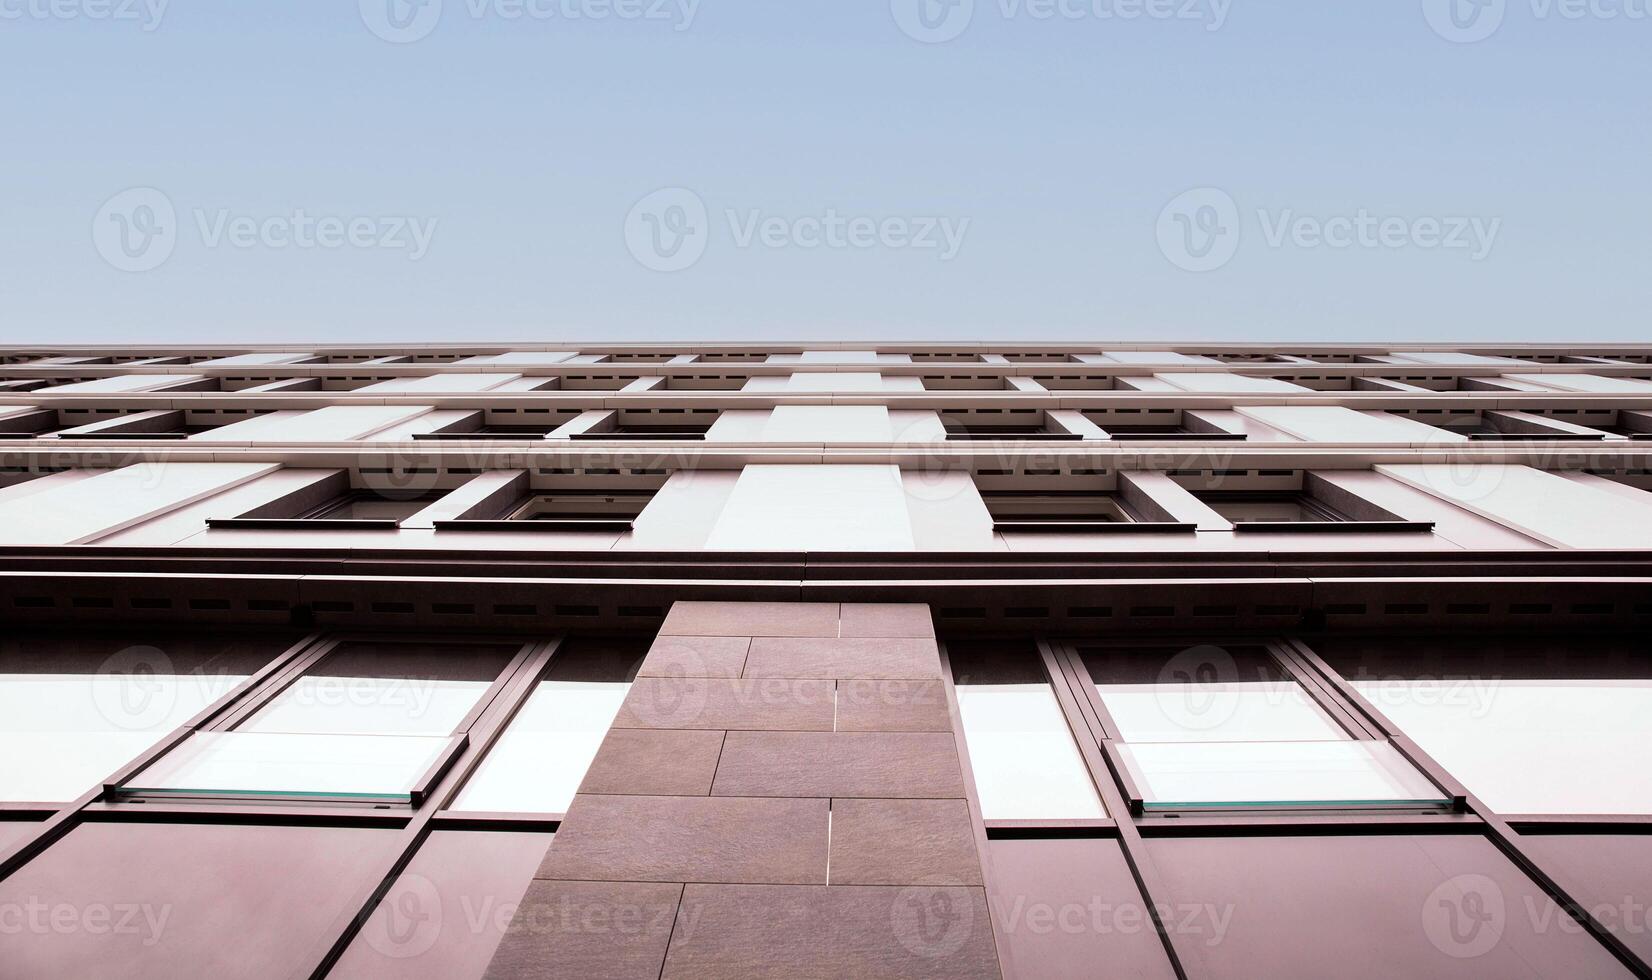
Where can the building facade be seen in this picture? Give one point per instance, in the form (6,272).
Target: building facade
(955,661)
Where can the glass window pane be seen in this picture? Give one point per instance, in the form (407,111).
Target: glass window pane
(1205,693)
(1174,775)
(376,767)
(1021,751)
(1530,724)
(1532,746)
(360,688)
(76,707)
(540,760)
(538,763)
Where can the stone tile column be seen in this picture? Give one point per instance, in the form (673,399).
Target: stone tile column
(780,796)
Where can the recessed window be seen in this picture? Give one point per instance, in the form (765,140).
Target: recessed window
(1530,725)
(74,708)
(1228,727)
(365,721)
(1021,752)
(365,505)
(540,760)
(1271,508)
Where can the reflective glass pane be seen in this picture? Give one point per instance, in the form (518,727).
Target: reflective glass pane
(540,760)
(1021,751)
(1532,746)
(388,689)
(75,707)
(61,733)
(538,763)
(1205,693)
(1530,723)
(377,767)
(1176,775)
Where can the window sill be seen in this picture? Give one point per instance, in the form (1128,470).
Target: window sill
(1334,527)
(620,524)
(297,524)
(1093,527)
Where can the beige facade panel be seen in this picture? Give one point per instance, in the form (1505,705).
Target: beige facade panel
(121,383)
(1220,383)
(833,382)
(1587,383)
(1333,423)
(1545,505)
(815,508)
(532,358)
(86,509)
(458,383)
(257,360)
(335,423)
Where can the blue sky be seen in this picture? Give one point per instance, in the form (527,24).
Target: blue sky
(196,170)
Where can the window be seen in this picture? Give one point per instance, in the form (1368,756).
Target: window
(1290,507)
(333,504)
(1065,511)
(360,721)
(367,505)
(1318,506)
(1021,750)
(558,510)
(1213,727)
(76,707)
(540,760)
(1531,725)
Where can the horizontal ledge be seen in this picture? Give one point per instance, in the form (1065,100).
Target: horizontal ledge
(1337,527)
(299,524)
(565,524)
(1092,527)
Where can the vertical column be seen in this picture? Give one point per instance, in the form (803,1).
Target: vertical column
(779,795)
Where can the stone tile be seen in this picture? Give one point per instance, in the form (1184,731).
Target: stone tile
(817,657)
(886,619)
(888,765)
(903,842)
(892,706)
(825,933)
(771,704)
(751,619)
(690,838)
(588,930)
(647,762)
(695,656)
